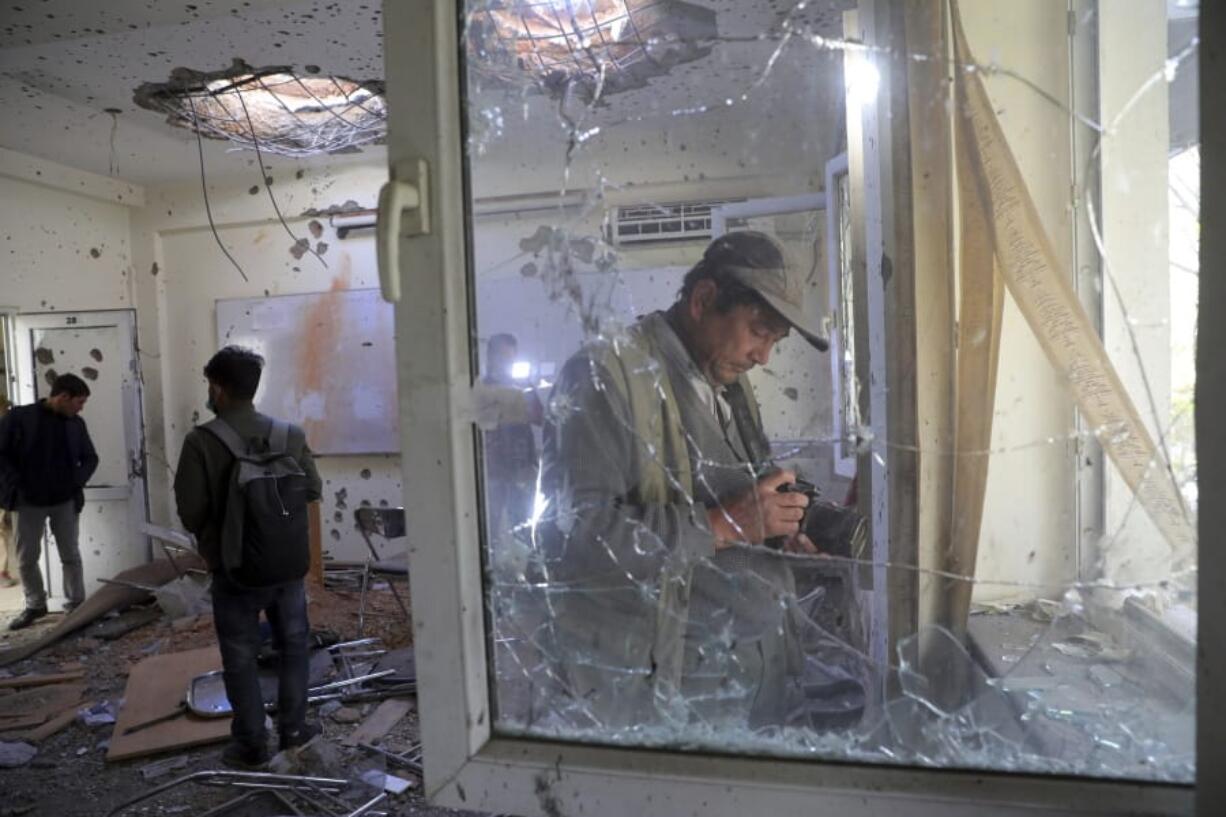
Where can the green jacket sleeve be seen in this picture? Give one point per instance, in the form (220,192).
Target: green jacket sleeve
(191,486)
(307,463)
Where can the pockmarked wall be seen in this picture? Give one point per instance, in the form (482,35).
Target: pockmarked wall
(67,248)
(181,273)
(66,237)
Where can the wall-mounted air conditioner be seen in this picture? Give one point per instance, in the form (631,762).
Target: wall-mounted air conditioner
(678,221)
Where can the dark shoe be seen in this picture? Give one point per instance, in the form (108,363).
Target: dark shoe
(244,758)
(27,617)
(69,606)
(299,737)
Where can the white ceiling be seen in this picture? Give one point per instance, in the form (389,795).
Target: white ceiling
(64,62)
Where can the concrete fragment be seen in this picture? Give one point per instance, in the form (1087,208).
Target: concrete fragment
(16,753)
(346,715)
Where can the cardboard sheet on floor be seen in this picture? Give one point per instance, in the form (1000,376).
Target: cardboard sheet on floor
(156,687)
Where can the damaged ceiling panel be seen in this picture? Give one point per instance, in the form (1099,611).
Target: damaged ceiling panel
(274,109)
(68,73)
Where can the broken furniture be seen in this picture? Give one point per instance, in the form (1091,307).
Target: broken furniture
(390,524)
(319,794)
(410,760)
(206,693)
(180,597)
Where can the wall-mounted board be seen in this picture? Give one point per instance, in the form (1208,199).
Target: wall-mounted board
(330,365)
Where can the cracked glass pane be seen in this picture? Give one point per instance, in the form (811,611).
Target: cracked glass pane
(836,377)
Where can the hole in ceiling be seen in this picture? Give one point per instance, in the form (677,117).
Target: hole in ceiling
(607,45)
(276,108)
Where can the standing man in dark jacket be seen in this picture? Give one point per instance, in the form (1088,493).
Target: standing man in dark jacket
(202,489)
(46,458)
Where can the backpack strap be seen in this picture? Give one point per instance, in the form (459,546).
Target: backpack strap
(225,432)
(278,438)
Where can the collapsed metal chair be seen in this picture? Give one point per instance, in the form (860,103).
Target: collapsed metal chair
(319,794)
(390,524)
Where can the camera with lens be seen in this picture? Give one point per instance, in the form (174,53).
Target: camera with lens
(835,529)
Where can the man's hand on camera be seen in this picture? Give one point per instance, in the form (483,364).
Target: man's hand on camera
(800,544)
(759,514)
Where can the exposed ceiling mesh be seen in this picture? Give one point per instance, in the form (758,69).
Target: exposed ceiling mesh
(284,112)
(583,45)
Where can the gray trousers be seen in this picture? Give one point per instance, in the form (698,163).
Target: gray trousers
(64,521)
(8,544)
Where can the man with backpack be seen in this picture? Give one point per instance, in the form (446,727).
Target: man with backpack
(242,487)
(46,459)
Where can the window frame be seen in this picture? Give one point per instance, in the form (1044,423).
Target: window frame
(466,765)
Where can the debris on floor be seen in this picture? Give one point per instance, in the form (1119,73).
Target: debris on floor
(123,658)
(16,754)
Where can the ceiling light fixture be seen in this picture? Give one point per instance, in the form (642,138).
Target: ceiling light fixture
(284,112)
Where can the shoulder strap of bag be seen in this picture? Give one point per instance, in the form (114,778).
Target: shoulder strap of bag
(223,431)
(278,438)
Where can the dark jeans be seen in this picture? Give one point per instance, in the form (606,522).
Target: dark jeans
(236,615)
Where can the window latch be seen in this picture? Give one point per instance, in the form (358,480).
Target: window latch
(404,210)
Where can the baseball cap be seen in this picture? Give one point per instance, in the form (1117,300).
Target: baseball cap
(780,286)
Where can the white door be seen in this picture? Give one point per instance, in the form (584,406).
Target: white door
(100,348)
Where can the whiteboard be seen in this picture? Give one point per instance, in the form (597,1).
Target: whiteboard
(330,365)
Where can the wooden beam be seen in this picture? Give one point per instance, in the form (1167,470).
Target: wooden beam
(379,722)
(40,680)
(931,200)
(890,269)
(316,571)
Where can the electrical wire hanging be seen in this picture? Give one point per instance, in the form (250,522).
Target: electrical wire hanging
(208,210)
(259,157)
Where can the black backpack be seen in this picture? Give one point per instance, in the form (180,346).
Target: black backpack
(265,535)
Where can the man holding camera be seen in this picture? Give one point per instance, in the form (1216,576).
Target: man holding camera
(666,519)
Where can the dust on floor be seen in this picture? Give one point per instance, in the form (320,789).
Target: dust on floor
(69,776)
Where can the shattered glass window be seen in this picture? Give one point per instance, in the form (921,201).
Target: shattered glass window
(931,269)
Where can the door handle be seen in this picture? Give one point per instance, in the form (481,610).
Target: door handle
(404,205)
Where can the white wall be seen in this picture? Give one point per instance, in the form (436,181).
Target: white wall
(177,307)
(1137,296)
(1029,528)
(66,237)
(66,248)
